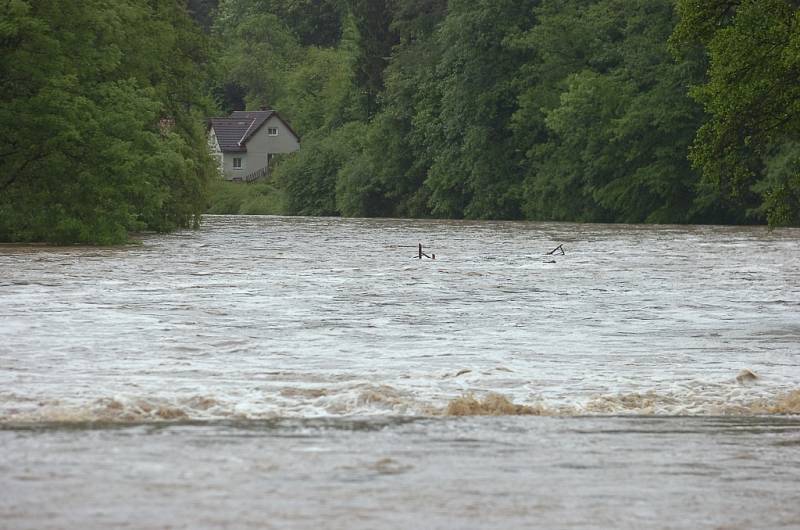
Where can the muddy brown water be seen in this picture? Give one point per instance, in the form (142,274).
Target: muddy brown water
(268,372)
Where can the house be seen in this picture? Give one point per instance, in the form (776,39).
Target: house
(244,143)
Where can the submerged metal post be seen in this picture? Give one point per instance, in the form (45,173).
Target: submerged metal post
(421,254)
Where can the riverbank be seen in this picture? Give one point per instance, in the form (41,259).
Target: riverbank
(237,198)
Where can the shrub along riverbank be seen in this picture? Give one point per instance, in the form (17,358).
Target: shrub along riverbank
(234,198)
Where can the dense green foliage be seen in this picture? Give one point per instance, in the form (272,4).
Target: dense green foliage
(235,198)
(588,110)
(750,146)
(549,109)
(101,119)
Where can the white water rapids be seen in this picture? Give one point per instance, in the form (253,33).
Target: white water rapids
(316,363)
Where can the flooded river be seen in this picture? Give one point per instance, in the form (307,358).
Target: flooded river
(268,372)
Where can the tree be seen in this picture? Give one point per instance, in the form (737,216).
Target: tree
(466,110)
(748,147)
(607,114)
(96,140)
(256,49)
(387,176)
(202,12)
(309,177)
(321,90)
(373,20)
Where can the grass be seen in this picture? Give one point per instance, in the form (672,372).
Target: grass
(236,198)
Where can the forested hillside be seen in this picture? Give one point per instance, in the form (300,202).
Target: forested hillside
(665,111)
(584,110)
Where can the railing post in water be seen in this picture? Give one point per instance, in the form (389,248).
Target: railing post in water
(422,254)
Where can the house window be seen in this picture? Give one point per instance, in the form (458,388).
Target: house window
(237,163)
(272,131)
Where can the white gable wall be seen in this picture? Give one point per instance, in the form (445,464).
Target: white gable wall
(262,144)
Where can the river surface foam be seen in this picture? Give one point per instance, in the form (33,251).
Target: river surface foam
(319,358)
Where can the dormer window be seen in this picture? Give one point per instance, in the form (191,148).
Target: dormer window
(272,131)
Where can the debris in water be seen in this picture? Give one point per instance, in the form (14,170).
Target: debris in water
(788,403)
(171,413)
(492,405)
(745,376)
(389,466)
(422,254)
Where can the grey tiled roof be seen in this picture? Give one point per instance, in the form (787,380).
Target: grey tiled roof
(234,132)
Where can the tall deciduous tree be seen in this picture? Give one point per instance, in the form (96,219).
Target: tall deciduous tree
(614,143)
(373,18)
(100,120)
(748,149)
(466,114)
(387,176)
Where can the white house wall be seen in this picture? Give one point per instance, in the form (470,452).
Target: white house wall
(227,166)
(262,144)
